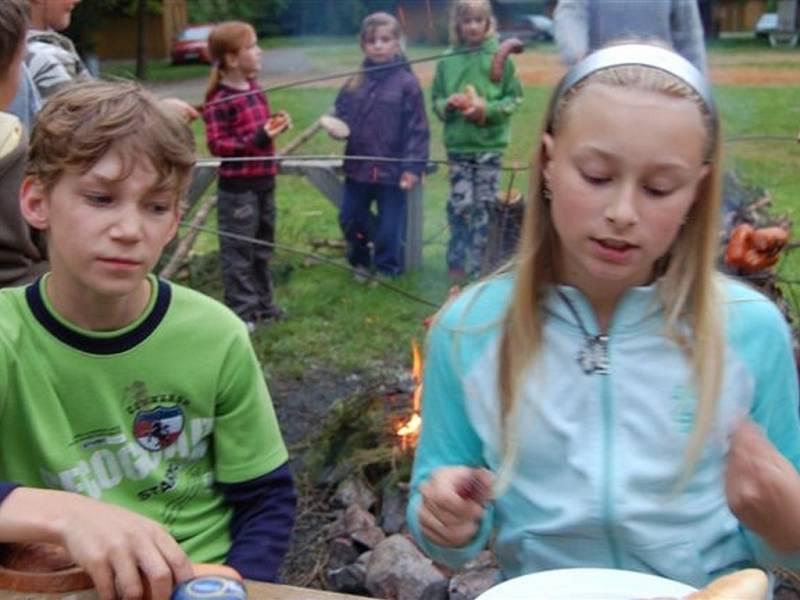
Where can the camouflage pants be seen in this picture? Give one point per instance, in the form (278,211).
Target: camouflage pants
(474,182)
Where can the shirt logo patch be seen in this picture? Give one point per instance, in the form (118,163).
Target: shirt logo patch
(158,428)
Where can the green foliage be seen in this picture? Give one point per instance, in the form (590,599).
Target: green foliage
(203,11)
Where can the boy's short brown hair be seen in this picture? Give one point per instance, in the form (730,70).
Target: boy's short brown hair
(14,16)
(79,124)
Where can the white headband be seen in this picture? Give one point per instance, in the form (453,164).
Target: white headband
(644,55)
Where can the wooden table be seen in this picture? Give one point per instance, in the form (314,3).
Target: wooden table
(258,590)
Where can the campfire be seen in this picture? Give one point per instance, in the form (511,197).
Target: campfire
(352,526)
(408,430)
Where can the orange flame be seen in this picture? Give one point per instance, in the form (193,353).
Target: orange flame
(409,430)
(416,376)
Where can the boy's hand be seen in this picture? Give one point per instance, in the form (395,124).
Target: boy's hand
(452,504)
(763,488)
(278,123)
(408,180)
(123,552)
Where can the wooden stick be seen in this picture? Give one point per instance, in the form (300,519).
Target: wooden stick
(301,139)
(186,243)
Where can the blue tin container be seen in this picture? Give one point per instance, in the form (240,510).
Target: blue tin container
(210,587)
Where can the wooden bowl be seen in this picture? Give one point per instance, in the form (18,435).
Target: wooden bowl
(47,569)
(40,568)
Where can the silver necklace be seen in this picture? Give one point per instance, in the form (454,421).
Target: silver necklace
(593,355)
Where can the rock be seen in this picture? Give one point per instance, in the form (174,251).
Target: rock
(393,510)
(337,528)
(360,526)
(398,570)
(471,583)
(351,491)
(350,578)
(356,518)
(367,539)
(341,552)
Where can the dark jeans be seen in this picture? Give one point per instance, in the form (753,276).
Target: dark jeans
(245,266)
(386,230)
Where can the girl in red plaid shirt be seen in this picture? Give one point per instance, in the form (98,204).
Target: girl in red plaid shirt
(239,125)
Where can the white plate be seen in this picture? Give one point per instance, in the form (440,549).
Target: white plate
(586,584)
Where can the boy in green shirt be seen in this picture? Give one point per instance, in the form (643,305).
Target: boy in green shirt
(135,423)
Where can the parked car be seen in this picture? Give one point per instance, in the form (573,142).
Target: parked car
(191,44)
(766,25)
(528,28)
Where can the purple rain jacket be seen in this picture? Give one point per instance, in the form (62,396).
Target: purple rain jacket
(386,116)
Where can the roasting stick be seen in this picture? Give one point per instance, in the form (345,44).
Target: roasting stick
(509,46)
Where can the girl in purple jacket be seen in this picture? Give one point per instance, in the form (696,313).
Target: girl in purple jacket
(385,112)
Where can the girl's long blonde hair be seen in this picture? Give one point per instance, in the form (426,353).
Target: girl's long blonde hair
(226,38)
(687,287)
(461,9)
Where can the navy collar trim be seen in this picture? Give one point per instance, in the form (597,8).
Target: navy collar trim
(104,345)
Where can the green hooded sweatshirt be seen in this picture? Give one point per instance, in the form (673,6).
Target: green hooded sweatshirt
(456,70)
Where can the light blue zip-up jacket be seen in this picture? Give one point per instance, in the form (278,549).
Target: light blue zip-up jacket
(600,454)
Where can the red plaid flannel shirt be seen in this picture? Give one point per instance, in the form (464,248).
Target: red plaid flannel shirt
(231,128)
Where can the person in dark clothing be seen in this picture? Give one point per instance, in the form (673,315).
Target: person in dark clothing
(385,112)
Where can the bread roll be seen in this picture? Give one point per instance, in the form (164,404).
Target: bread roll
(748,584)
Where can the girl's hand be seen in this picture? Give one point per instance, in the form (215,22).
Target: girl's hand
(452,504)
(278,123)
(457,102)
(408,180)
(763,488)
(476,111)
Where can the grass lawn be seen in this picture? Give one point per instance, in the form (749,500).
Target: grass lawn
(344,326)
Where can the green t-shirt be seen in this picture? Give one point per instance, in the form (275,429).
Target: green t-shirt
(147,417)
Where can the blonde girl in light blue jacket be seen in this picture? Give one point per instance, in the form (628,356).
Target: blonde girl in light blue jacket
(611,400)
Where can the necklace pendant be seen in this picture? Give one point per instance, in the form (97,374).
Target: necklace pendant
(593,357)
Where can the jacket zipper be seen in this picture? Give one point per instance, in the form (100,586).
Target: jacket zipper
(608,449)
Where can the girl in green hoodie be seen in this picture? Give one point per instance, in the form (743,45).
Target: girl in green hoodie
(476,113)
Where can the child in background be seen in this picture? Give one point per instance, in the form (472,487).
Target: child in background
(239,124)
(475,133)
(52,62)
(629,406)
(103,393)
(21,251)
(385,112)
